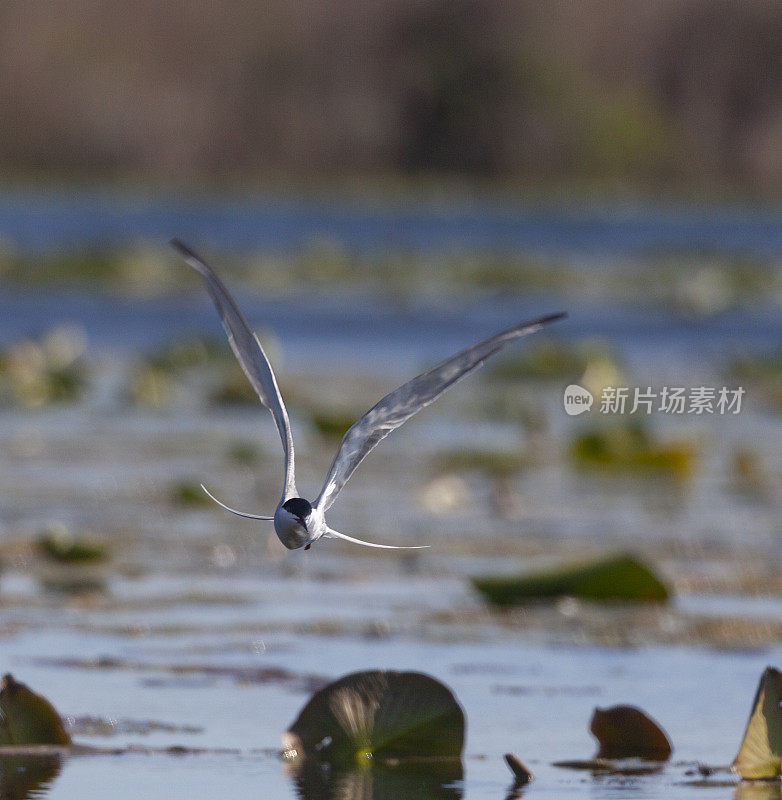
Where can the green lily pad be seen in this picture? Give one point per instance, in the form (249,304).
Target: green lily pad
(614,578)
(760,754)
(378,715)
(27,717)
(626,732)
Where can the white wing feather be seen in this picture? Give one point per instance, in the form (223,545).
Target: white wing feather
(401,404)
(250,355)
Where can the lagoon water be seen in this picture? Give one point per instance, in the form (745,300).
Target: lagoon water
(202,633)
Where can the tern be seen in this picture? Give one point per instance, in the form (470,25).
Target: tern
(297,522)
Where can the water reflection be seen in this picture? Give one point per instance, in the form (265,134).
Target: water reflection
(758,790)
(23,776)
(417,781)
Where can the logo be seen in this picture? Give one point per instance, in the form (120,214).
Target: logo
(577,400)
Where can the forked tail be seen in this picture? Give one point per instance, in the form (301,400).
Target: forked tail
(337,535)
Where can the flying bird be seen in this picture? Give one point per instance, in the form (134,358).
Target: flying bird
(297,522)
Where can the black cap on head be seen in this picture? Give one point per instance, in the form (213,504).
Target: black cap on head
(297,506)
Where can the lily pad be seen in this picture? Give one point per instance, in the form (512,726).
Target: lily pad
(760,754)
(626,732)
(28,718)
(378,715)
(619,577)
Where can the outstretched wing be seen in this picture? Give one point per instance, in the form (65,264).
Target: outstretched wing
(250,355)
(402,403)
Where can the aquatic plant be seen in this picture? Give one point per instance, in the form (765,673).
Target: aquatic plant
(551,359)
(332,423)
(244,453)
(27,717)
(522,776)
(622,447)
(61,544)
(188,493)
(377,716)
(764,371)
(50,369)
(620,577)
(494,463)
(760,754)
(627,732)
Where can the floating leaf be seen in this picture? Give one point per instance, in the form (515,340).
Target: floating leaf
(378,715)
(760,754)
(617,577)
(29,718)
(626,732)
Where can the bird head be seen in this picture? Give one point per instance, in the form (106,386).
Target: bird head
(291,522)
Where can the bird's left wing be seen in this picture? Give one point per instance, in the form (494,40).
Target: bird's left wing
(398,406)
(250,355)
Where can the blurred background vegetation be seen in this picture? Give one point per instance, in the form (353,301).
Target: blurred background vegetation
(681,95)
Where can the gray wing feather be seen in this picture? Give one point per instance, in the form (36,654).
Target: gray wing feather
(401,404)
(250,355)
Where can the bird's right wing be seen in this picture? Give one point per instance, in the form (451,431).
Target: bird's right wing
(401,404)
(250,355)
